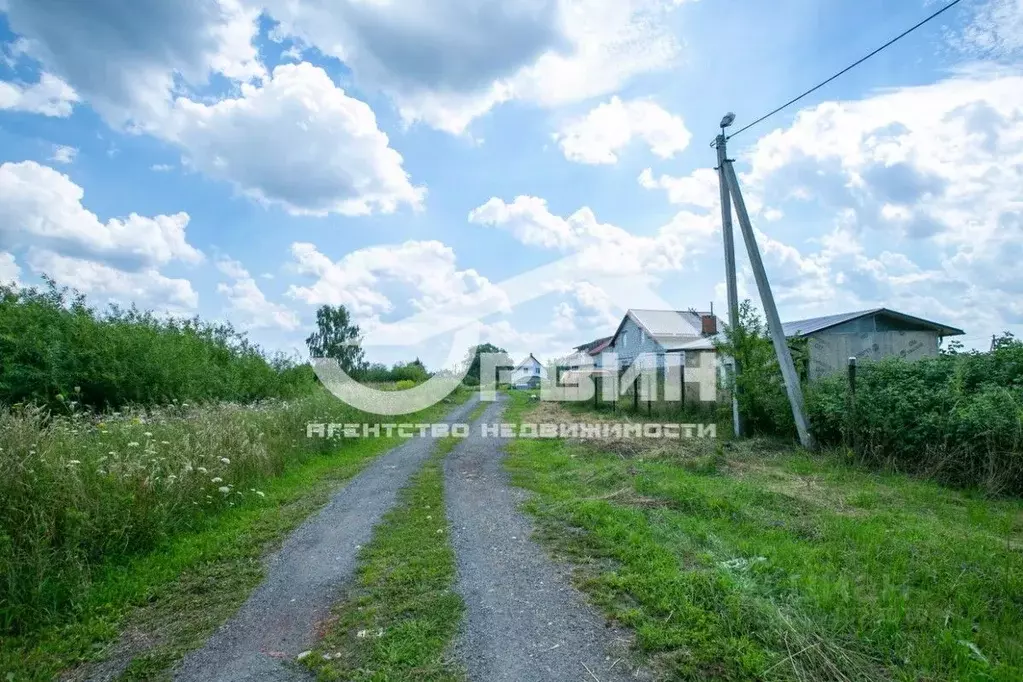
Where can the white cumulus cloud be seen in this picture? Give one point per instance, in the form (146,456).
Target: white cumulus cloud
(600,135)
(601,247)
(913,195)
(41,212)
(319,150)
(63,153)
(248,306)
(9,270)
(40,206)
(448,62)
(50,96)
(428,268)
(699,188)
(125,58)
(146,286)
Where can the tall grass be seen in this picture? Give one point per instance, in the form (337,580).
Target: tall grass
(79,491)
(55,347)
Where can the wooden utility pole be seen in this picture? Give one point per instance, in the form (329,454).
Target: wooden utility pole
(781,347)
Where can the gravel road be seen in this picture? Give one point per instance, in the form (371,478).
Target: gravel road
(524,620)
(304,577)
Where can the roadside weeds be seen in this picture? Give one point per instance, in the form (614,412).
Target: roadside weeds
(742,564)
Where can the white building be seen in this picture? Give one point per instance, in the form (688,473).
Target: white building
(528,373)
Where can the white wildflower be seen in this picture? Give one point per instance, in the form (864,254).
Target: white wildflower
(133,444)
(261,493)
(224,489)
(147,434)
(164,442)
(203,470)
(216,479)
(225,460)
(72,462)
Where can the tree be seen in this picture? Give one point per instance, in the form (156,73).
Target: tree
(338,338)
(762,400)
(472,360)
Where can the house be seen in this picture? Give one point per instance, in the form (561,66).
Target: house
(528,373)
(867,335)
(689,333)
(588,354)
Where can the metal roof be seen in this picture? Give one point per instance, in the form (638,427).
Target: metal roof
(668,322)
(593,345)
(815,324)
(528,358)
(672,322)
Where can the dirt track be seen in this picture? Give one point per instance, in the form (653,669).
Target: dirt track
(524,620)
(304,577)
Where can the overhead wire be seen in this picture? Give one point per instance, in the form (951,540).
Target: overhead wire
(848,68)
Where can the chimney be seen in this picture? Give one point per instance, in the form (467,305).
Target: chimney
(710,324)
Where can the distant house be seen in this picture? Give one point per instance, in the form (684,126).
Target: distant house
(528,373)
(662,332)
(588,354)
(867,335)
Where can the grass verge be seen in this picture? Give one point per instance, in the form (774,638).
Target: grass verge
(138,617)
(400,617)
(759,563)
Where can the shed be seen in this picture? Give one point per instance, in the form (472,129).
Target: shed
(866,335)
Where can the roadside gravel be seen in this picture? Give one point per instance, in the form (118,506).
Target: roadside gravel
(304,577)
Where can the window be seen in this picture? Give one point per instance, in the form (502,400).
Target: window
(536,370)
(625,339)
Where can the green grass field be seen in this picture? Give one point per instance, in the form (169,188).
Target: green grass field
(758,561)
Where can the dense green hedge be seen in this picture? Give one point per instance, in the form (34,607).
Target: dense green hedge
(957,417)
(55,348)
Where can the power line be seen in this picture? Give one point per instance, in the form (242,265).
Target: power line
(851,66)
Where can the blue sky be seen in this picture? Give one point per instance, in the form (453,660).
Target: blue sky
(250,160)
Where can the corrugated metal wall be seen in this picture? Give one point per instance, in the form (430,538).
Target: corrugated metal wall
(830,351)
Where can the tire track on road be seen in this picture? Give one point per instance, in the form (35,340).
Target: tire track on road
(524,620)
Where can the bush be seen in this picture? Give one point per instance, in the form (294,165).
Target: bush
(377,372)
(55,349)
(957,417)
(405,384)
